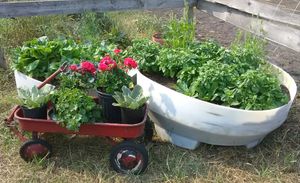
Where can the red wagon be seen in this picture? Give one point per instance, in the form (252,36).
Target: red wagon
(125,157)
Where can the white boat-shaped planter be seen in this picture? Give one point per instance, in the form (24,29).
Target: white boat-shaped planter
(186,121)
(25,82)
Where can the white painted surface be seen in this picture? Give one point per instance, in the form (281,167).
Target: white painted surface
(187,121)
(24,81)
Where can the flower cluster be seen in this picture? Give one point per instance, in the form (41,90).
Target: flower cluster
(109,75)
(84,67)
(113,72)
(107,63)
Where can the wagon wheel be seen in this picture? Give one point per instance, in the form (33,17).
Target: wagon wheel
(129,158)
(35,148)
(148,132)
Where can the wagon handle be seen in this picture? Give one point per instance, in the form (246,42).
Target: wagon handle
(62,68)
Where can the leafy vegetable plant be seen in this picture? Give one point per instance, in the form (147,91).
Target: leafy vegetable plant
(145,53)
(130,99)
(35,98)
(41,57)
(238,77)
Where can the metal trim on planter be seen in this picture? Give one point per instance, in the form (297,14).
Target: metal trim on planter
(186,121)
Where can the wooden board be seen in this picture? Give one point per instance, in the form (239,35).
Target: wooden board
(262,10)
(273,31)
(15,9)
(2,59)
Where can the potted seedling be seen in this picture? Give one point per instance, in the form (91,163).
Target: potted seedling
(34,101)
(132,103)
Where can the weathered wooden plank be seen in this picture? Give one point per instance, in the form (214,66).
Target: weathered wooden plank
(2,59)
(274,31)
(15,9)
(262,10)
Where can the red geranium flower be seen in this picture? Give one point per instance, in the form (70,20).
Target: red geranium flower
(88,66)
(103,67)
(110,63)
(130,62)
(117,51)
(73,67)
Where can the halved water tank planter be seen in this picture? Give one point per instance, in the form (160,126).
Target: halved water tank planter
(187,122)
(24,81)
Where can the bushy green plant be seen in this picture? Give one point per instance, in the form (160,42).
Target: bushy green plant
(234,77)
(73,108)
(41,57)
(34,97)
(113,80)
(81,76)
(146,54)
(130,99)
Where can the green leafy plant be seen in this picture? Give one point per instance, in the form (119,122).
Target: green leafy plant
(234,77)
(146,54)
(80,76)
(132,99)
(180,33)
(34,97)
(41,57)
(73,108)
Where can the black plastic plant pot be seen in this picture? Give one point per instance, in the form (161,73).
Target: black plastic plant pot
(36,113)
(111,114)
(130,116)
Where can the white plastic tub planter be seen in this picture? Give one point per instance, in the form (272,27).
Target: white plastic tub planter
(24,81)
(186,121)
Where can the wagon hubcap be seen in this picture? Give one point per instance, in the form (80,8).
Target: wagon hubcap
(35,150)
(129,160)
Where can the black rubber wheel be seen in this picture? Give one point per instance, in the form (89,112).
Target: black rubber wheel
(129,158)
(36,148)
(148,132)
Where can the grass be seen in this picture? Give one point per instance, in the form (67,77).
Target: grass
(85,159)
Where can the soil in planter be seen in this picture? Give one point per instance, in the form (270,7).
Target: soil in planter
(168,82)
(35,113)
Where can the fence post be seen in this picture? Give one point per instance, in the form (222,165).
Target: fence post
(2,59)
(190,13)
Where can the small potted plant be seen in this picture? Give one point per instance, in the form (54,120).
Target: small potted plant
(73,107)
(34,101)
(132,103)
(111,77)
(158,38)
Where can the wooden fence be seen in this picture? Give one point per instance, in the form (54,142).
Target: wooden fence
(277,25)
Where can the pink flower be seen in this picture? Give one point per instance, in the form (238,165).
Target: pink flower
(117,51)
(88,66)
(110,63)
(73,67)
(130,62)
(103,67)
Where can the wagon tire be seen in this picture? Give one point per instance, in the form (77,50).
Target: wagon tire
(148,132)
(35,148)
(129,158)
